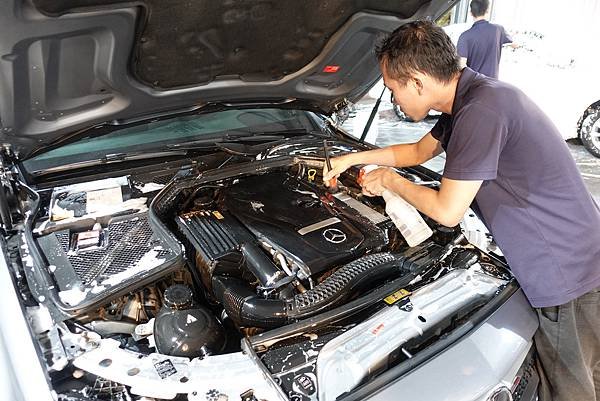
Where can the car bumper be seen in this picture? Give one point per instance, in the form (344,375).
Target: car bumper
(479,365)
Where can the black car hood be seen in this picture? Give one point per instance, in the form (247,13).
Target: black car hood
(68,65)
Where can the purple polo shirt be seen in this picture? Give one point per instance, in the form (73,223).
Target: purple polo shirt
(481,45)
(533,199)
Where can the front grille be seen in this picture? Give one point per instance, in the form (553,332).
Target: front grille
(127,243)
(527,380)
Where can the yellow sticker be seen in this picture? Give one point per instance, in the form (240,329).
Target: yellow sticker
(397,296)
(218,215)
(312,174)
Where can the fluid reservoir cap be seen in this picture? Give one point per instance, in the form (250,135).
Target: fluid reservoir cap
(178,296)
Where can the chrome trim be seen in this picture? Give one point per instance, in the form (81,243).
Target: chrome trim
(319,225)
(361,208)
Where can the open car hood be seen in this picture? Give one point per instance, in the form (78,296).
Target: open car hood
(68,65)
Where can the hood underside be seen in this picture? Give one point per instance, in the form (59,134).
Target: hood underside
(71,64)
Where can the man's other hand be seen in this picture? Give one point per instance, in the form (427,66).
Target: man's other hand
(377,181)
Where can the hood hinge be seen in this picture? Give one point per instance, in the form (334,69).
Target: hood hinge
(341,112)
(8,158)
(7,197)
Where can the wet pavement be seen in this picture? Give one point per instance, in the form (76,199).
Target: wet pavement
(388,129)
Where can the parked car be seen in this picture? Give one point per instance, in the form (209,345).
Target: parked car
(588,128)
(375,92)
(165,230)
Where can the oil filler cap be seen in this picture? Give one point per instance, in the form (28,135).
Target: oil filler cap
(178,296)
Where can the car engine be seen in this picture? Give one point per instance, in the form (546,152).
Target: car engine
(260,258)
(287,236)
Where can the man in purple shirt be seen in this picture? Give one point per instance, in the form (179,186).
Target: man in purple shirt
(504,154)
(480,46)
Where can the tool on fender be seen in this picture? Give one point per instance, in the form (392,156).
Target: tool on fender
(333,187)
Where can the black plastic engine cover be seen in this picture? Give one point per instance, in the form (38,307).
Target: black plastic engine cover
(299,219)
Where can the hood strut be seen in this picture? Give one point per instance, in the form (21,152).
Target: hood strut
(371,117)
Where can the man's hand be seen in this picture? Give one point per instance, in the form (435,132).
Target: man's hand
(377,181)
(338,166)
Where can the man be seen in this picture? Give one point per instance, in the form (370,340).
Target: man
(480,46)
(504,153)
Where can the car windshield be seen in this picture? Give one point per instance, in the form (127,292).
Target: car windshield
(161,135)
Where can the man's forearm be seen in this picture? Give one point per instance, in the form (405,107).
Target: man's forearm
(402,155)
(424,199)
(446,206)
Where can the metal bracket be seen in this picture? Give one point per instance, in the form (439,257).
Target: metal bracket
(341,112)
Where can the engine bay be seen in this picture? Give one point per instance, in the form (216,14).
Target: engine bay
(259,268)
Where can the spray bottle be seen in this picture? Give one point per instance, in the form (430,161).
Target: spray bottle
(406,218)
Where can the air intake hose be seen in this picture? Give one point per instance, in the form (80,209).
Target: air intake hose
(358,274)
(260,265)
(246,308)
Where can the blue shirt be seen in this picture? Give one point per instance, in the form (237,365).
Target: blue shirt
(481,45)
(532,199)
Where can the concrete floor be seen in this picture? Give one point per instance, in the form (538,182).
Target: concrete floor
(387,129)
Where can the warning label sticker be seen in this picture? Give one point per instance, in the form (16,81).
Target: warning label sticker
(165,368)
(396,296)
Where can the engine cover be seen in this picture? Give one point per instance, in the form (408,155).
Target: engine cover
(302,221)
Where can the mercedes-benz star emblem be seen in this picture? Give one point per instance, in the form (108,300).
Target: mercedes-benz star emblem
(334,235)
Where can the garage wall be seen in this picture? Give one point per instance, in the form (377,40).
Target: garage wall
(570,32)
(572,23)
(557,65)
(544,14)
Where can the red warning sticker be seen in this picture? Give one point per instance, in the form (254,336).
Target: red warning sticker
(331,68)
(377,329)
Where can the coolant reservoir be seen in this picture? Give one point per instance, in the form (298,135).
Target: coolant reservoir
(183,329)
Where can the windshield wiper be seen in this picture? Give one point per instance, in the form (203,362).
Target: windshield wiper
(109,159)
(226,142)
(210,143)
(238,137)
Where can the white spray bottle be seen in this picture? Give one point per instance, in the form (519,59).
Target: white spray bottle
(404,215)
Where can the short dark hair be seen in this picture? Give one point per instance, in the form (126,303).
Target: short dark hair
(418,46)
(479,7)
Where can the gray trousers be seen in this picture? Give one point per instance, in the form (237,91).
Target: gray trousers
(568,346)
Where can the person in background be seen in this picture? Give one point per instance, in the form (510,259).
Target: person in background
(480,46)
